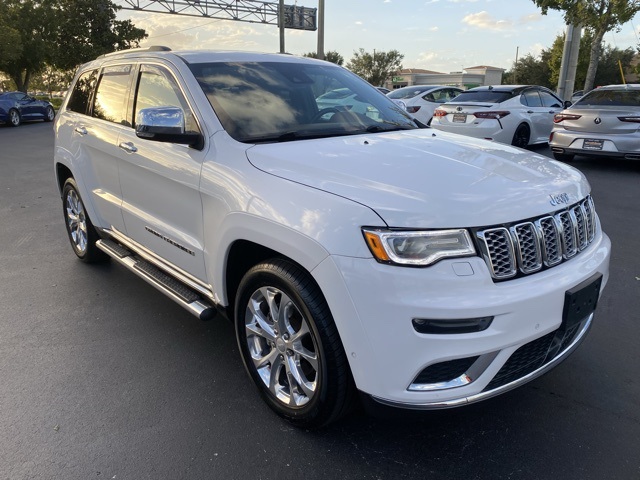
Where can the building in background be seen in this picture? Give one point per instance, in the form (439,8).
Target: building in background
(468,78)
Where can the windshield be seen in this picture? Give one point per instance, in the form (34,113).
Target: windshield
(484,96)
(284,101)
(612,98)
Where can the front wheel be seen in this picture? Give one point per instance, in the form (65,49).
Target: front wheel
(290,345)
(14,118)
(49,114)
(521,136)
(82,234)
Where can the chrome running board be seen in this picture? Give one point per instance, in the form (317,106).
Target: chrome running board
(190,299)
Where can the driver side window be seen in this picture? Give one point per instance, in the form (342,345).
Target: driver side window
(157,88)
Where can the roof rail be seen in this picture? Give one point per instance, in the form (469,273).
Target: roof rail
(152,48)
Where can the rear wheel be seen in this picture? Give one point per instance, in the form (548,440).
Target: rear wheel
(563,157)
(82,234)
(521,136)
(290,345)
(14,117)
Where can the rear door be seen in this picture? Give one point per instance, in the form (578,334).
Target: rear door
(537,114)
(94,138)
(160,181)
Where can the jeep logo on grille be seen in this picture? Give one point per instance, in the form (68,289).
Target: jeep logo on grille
(559,199)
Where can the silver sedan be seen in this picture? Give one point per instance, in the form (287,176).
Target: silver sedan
(605,122)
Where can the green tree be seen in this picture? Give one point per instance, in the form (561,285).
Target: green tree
(330,56)
(61,34)
(377,67)
(596,16)
(608,69)
(27,38)
(530,70)
(93,32)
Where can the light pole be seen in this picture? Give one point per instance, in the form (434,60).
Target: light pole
(320,52)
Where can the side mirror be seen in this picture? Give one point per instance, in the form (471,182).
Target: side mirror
(567,103)
(166,124)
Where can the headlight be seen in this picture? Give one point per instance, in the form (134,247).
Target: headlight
(417,248)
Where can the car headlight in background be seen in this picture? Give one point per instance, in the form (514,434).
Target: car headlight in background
(417,248)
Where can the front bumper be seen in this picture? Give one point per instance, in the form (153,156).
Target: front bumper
(374,305)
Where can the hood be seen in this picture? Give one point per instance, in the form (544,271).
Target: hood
(427,179)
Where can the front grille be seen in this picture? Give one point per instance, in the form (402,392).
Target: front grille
(539,243)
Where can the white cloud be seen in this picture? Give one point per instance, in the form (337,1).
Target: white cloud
(485,21)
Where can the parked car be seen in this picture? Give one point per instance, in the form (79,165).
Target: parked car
(352,253)
(344,99)
(605,122)
(16,107)
(518,115)
(383,90)
(420,101)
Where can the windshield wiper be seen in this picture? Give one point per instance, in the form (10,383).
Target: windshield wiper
(394,128)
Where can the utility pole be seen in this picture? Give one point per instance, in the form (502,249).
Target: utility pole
(281,25)
(320,50)
(569,64)
(515,68)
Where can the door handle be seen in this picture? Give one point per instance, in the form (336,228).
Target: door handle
(529,111)
(128,147)
(81,130)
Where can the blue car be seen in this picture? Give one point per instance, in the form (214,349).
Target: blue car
(16,107)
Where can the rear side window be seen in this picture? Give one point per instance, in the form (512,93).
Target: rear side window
(613,98)
(81,95)
(112,94)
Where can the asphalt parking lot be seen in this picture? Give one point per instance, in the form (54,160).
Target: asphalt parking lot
(101,376)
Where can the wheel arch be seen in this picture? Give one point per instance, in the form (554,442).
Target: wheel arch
(62,174)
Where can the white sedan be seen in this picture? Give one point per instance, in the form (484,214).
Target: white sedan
(420,101)
(519,115)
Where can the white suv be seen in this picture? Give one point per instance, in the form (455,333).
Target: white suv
(352,250)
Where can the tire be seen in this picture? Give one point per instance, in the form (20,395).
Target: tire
(49,114)
(521,136)
(563,157)
(81,232)
(297,361)
(14,118)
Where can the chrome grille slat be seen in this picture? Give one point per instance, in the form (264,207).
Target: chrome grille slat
(528,247)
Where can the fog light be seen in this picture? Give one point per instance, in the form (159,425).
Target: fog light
(452,326)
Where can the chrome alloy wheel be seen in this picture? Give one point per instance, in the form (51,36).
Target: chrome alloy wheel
(282,346)
(76,221)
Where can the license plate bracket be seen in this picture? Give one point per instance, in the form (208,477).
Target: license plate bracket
(581,301)
(592,144)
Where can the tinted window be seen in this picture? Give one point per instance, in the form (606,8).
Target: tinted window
(549,100)
(157,88)
(485,96)
(531,98)
(284,101)
(112,93)
(614,98)
(81,94)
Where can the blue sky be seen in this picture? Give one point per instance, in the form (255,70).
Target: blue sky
(440,35)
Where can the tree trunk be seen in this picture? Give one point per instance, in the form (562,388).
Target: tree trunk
(22,84)
(596,49)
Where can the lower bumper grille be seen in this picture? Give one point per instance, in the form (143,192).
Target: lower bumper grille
(532,356)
